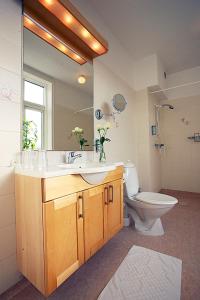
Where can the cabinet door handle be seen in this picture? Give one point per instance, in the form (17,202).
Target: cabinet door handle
(106,195)
(111,192)
(80,206)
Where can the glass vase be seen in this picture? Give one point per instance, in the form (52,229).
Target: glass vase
(102,154)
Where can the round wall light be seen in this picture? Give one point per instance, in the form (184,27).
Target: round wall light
(81,79)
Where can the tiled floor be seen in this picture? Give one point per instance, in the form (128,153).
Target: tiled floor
(181,239)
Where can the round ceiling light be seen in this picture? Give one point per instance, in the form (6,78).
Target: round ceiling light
(81,79)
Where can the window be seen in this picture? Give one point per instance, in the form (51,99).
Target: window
(33,93)
(37,109)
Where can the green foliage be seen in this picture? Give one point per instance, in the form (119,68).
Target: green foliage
(30,135)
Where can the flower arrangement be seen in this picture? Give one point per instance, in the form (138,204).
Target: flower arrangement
(78,133)
(102,130)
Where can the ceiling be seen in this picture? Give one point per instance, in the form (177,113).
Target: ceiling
(48,60)
(170,28)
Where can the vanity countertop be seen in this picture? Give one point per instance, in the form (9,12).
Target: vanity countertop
(54,171)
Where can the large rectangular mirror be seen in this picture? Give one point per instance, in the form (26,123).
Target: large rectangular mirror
(54,101)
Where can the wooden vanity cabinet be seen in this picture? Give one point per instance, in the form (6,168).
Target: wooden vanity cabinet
(63,239)
(114,207)
(56,235)
(103,215)
(93,211)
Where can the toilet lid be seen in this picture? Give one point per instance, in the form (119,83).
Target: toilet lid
(156,198)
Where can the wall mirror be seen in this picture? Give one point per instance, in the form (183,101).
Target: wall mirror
(57,95)
(119,103)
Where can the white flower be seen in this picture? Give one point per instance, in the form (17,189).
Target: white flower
(76,129)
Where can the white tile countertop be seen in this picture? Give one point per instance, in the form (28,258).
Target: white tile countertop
(60,170)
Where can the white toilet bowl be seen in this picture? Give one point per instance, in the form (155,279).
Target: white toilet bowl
(145,208)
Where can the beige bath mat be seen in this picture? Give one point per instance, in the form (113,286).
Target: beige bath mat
(145,274)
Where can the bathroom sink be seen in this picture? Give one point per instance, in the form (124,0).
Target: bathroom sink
(71,166)
(92,172)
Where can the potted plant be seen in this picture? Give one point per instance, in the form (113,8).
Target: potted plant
(30,135)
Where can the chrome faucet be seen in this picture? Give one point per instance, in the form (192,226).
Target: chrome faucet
(72,156)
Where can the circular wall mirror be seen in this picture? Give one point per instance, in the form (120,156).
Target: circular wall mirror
(119,103)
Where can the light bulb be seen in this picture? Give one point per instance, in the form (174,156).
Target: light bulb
(48,2)
(49,36)
(68,18)
(81,79)
(28,21)
(62,48)
(85,33)
(76,56)
(96,46)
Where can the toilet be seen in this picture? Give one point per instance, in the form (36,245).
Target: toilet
(145,208)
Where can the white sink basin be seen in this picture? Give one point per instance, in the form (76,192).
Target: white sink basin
(93,173)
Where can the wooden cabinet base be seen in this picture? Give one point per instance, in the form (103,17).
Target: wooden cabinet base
(56,237)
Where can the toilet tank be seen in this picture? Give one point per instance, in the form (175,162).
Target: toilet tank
(131,179)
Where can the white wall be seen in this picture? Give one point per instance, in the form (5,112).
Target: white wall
(149,161)
(155,154)
(148,72)
(181,159)
(162,82)
(142,142)
(183,77)
(123,138)
(145,72)
(10,86)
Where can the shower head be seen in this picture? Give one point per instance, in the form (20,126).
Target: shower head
(158,106)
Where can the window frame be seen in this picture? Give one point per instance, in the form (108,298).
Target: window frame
(45,109)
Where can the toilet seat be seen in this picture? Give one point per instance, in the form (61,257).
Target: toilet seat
(156,198)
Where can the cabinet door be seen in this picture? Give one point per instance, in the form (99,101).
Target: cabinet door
(115,207)
(63,232)
(93,203)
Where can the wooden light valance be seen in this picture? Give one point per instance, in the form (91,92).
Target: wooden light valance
(60,24)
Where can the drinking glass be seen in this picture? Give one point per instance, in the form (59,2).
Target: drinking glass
(41,160)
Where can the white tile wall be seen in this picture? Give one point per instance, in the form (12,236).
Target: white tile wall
(7,214)
(10,144)
(8,239)
(8,267)
(181,159)
(12,110)
(10,55)
(10,86)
